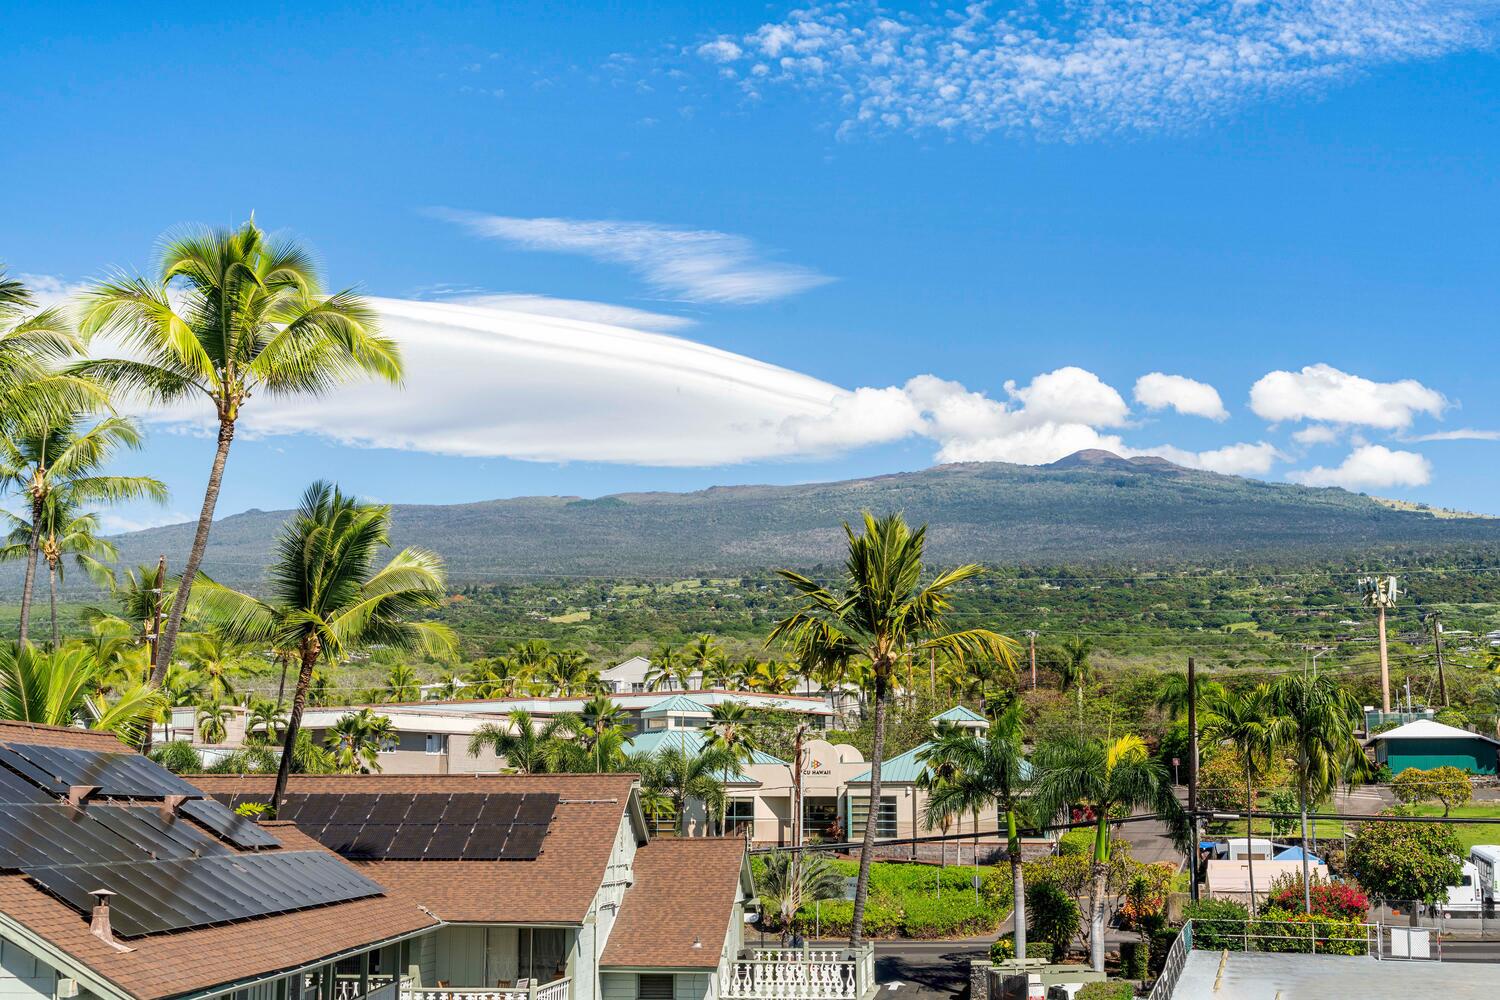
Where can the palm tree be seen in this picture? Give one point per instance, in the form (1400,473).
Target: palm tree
(524,747)
(533,655)
(63,688)
(495,677)
(1316,722)
(773,677)
(705,657)
(219,657)
(265,721)
(1246,722)
(569,673)
(682,773)
(1172,694)
(1113,779)
(213,721)
(1076,669)
(791,878)
(882,612)
(64,533)
(731,726)
(402,684)
(665,664)
(229,315)
(143,597)
(31,390)
(326,599)
(355,741)
(599,717)
(57,465)
(985,772)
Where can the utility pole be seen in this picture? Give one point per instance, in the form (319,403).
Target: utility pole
(1031,634)
(1381,593)
(1192,679)
(1436,618)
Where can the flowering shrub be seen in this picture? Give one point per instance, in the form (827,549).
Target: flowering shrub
(1338,900)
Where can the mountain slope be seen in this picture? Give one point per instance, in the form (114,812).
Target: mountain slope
(1091,507)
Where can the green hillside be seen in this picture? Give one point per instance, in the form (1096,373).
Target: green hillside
(1089,508)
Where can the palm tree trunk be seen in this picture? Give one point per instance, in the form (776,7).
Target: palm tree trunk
(1018,883)
(1306,871)
(294,720)
(1096,919)
(52,595)
(167,644)
(1249,834)
(867,848)
(33,547)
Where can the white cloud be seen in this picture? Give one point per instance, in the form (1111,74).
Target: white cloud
(1317,434)
(720,50)
(1243,459)
(1071,395)
(1158,391)
(1087,67)
(115,523)
(696,265)
(1370,465)
(1322,392)
(1461,434)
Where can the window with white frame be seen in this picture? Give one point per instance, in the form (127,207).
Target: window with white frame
(437,743)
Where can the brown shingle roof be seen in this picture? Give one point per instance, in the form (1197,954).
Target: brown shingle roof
(685,889)
(60,736)
(166,965)
(556,888)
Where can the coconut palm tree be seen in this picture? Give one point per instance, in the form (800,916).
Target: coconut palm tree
(1316,719)
(402,684)
(883,612)
(63,688)
(265,721)
(213,721)
(773,677)
(599,717)
(1246,722)
(57,464)
(569,673)
(1076,668)
(1113,779)
(355,741)
(683,774)
(326,599)
(143,597)
(31,345)
(65,533)
(666,662)
(230,315)
(705,657)
(525,747)
(731,726)
(1172,694)
(986,772)
(216,654)
(495,677)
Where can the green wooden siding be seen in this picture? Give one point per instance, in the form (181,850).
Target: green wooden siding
(1472,755)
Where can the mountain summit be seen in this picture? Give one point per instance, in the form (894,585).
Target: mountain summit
(1090,507)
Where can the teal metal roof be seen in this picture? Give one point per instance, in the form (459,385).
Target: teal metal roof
(959,713)
(678,703)
(692,741)
(905,768)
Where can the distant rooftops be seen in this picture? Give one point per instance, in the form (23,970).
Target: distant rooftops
(1427,729)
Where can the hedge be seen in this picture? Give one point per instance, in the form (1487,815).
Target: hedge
(927,917)
(913,901)
(1004,948)
(1109,990)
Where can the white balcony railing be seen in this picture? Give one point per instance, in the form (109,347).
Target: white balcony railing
(558,989)
(803,974)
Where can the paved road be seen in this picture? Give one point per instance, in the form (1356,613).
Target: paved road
(926,970)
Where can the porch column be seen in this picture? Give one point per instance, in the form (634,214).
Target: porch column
(364,973)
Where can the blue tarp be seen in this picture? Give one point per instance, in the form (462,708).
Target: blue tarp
(1295,854)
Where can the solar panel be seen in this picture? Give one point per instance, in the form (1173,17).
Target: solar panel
(524,843)
(31,772)
(167,895)
(463,808)
(373,841)
(161,838)
(410,841)
(56,833)
(118,775)
(238,830)
(448,842)
(499,810)
(390,808)
(14,788)
(354,809)
(536,809)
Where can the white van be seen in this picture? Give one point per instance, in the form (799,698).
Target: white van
(1463,899)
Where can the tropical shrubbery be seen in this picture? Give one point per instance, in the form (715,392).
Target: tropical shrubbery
(1337,900)
(907,900)
(1004,948)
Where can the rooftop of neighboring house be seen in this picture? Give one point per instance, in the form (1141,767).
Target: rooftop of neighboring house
(1257,975)
(1427,729)
(556,885)
(906,768)
(692,741)
(660,927)
(125,827)
(678,704)
(629,701)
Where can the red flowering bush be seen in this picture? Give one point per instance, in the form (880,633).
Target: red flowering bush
(1341,900)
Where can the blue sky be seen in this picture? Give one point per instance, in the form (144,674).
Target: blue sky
(912,235)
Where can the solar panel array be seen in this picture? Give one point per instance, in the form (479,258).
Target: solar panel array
(117,775)
(425,827)
(167,873)
(177,894)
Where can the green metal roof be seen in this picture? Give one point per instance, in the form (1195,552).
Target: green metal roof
(959,713)
(692,741)
(678,703)
(905,768)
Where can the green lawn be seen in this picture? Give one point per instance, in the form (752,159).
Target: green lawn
(1470,833)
